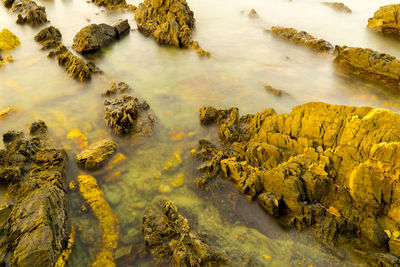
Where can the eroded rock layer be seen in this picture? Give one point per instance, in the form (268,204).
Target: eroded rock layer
(386,19)
(168,236)
(369,64)
(28,11)
(334,168)
(302,38)
(33,218)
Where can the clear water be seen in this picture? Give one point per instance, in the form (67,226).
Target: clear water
(176,83)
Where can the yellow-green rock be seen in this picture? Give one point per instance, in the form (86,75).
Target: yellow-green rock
(8,40)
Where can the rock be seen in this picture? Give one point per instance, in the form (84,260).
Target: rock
(5,112)
(8,41)
(35,232)
(95,155)
(338,6)
(125,115)
(122,27)
(210,115)
(93,37)
(117,88)
(113,4)
(275,91)
(167,235)
(253,14)
(386,20)
(328,167)
(108,221)
(49,37)
(169,22)
(28,12)
(38,128)
(302,38)
(369,64)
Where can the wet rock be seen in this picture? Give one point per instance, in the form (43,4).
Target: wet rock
(35,232)
(169,22)
(96,36)
(126,114)
(386,20)
(95,155)
(117,88)
(49,37)
(210,115)
(338,6)
(369,64)
(168,236)
(108,221)
(28,11)
(275,91)
(114,4)
(38,128)
(7,111)
(328,167)
(253,14)
(8,40)
(302,38)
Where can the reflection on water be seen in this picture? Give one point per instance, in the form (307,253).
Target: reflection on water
(177,82)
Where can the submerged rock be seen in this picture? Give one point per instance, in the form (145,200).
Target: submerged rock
(126,114)
(338,6)
(28,11)
(386,20)
(95,155)
(275,91)
(169,22)
(96,36)
(108,221)
(168,236)
(302,38)
(8,41)
(33,217)
(253,14)
(330,167)
(369,64)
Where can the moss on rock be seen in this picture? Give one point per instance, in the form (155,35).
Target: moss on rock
(8,41)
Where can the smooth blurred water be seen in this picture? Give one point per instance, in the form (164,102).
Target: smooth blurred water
(176,82)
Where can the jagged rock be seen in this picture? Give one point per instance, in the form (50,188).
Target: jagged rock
(8,40)
(302,38)
(169,22)
(108,221)
(34,217)
(96,36)
(275,91)
(168,236)
(386,20)
(330,167)
(369,64)
(338,6)
(126,115)
(117,88)
(38,128)
(28,11)
(253,14)
(114,4)
(209,115)
(49,37)
(95,155)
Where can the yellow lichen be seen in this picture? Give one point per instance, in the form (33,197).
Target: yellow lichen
(8,40)
(173,163)
(108,221)
(334,211)
(63,259)
(5,112)
(78,137)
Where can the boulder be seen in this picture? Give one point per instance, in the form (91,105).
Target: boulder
(338,6)
(386,20)
(369,64)
(122,27)
(302,38)
(329,167)
(28,11)
(96,154)
(168,236)
(8,41)
(49,37)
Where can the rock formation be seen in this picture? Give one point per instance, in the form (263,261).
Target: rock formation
(28,11)
(168,236)
(114,4)
(50,38)
(369,64)
(33,217)
(8,41)
(95,155)
(126,114)
(386,20)
(302,38)
(331,168)
(338,6)
(169,22)
(96,36)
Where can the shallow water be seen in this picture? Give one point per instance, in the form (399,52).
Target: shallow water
(176,83)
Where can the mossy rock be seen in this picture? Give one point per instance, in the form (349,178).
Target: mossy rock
(8,41)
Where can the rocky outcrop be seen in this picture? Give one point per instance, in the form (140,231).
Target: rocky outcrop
(302,38)
(96,36)
(28,11)
(8,41)
(386,20)
(338,6)
(76,67)
(33,218)
(95,155)
(108,221)
(369,64)
(126,114)
(331,168)
(169,22)
(114,4)
(168,236)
